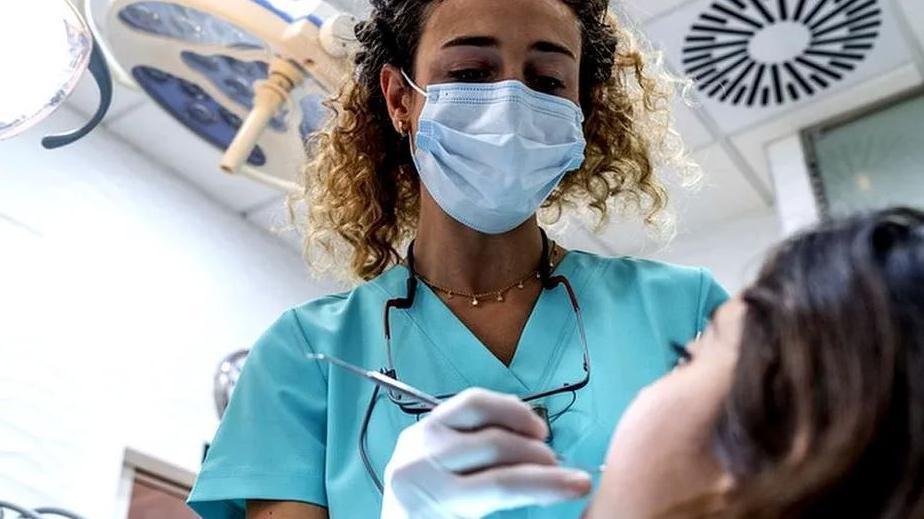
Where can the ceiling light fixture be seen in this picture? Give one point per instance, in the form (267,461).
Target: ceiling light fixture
(247,76)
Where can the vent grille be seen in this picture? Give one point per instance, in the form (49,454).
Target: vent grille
(760,53)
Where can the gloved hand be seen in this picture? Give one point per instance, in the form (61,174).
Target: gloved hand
(477,453)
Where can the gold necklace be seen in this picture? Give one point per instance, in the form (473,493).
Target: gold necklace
(497,295)
(494,295)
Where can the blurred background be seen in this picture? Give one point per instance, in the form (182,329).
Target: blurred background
(131,265)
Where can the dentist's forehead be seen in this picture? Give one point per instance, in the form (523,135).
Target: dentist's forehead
(535,21)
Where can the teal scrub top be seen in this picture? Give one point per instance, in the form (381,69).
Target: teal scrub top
(292,428)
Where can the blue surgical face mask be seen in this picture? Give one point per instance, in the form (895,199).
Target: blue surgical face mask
(490,154)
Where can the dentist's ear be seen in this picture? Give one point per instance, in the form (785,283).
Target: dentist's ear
(398,97)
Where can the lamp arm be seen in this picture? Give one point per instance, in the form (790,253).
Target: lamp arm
(101,74)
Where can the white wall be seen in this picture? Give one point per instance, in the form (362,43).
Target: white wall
(733,250)
(120,289)
(796,204)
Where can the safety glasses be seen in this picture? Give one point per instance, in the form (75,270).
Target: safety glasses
(413,407)
(417,407)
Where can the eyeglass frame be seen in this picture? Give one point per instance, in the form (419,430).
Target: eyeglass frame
(404,303)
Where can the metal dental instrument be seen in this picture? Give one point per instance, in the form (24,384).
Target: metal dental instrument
(419,396)
(382,380)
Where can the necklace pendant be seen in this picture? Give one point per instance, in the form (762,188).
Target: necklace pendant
(520,285)
(474,301)
(450,295)
(500,297)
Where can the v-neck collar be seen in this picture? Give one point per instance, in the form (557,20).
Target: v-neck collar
(549,327)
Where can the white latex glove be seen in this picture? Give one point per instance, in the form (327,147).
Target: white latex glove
(477,453)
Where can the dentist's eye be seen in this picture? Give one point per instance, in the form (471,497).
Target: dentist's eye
(683,354)
(469,75)
(547,84)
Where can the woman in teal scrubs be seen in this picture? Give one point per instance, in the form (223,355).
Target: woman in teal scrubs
(462,119)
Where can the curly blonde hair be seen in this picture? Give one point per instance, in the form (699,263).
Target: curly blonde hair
(361,191)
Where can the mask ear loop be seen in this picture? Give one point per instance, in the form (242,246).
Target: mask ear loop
(409,134)
(412,84)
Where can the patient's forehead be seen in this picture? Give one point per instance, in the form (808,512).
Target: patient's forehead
(725,327)
(729,315)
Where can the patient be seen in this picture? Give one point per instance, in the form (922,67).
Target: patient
(804,398)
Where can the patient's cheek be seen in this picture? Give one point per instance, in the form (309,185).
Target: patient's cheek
(660,453)
(635,459)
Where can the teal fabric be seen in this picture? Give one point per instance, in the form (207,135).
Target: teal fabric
(291,429)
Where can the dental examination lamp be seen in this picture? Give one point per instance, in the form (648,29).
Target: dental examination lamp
(45,48)
(226,376)
(247,76)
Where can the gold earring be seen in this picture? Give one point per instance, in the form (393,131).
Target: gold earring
(402,128)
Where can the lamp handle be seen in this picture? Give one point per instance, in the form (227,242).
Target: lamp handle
(100,71)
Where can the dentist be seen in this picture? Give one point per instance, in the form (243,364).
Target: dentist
(462,120)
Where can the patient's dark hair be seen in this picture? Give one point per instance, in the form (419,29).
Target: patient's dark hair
(825,417)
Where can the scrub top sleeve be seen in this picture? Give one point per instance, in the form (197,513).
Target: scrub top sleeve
(272,440)
(711,297)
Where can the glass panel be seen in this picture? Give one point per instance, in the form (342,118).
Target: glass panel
(874,161)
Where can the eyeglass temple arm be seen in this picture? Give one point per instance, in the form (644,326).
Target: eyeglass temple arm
(562,280)
(403,303)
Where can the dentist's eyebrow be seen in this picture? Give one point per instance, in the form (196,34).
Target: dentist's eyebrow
(472,41)
(490,41)
(548,46)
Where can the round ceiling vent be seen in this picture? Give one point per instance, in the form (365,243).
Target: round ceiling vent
(773,52)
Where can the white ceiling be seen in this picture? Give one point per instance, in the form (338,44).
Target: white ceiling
(728,142)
